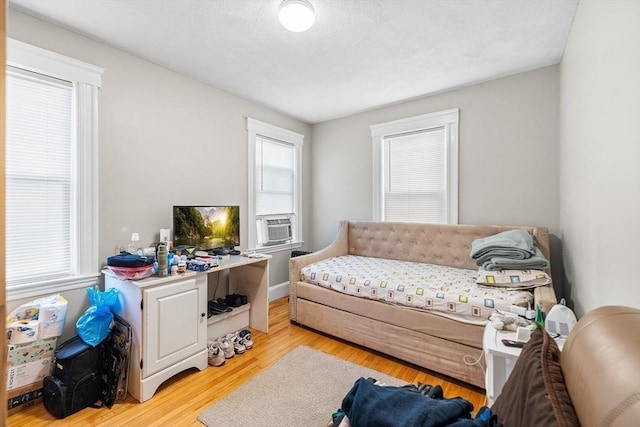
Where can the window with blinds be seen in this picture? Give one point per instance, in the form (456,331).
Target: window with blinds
(275,175)
(39,179)
(416,169)
(275,187)
(415,176)
(51,177)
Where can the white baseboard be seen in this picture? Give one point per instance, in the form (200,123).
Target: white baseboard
(280,290)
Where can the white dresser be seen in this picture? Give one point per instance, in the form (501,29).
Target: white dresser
(168,317)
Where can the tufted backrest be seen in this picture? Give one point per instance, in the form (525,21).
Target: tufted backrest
(441,244)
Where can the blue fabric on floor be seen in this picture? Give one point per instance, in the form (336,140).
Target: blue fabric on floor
(369,405)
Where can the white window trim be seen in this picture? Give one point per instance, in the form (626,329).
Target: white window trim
(255,128)
(448,119)
(86,79)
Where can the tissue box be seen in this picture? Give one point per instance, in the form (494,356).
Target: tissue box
(29,363)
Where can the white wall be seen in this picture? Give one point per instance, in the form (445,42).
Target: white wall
(600,155)
(165,139)
(508,156)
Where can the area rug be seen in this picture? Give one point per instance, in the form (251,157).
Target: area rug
(302,388)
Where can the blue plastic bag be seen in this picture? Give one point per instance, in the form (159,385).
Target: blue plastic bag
(96,323)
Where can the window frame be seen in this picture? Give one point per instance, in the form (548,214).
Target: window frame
(449,119)
(86,80)
(255,129)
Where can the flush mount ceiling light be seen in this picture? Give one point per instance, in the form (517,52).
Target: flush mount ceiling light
(296,15)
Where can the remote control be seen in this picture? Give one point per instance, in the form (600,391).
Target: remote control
(512,343)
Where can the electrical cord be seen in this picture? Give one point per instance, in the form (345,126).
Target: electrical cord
(470,361)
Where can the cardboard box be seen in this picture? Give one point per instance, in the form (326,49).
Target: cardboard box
(29,363)
(23,397)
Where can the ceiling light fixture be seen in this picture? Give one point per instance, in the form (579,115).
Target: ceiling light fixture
(296,15)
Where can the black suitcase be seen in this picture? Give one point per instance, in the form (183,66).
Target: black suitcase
(77,381)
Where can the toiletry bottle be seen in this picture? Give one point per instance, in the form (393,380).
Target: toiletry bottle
(162,260)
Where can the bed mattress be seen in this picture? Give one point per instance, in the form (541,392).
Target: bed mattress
(447,291)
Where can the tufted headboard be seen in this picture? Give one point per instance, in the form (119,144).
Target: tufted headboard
(448,245)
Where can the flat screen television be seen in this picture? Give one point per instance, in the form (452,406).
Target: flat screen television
(208,228)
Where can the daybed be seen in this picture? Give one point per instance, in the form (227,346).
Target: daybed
(433,341)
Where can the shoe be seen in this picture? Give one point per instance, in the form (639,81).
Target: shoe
(424,389)
(234,300)
(245,334)
(238,345)
(215,307)
(435,392)
(227,347)
(215,355)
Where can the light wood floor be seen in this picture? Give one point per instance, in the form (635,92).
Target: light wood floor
(179,400)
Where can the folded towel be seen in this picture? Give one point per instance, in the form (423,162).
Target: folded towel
(512,244)
(536,262)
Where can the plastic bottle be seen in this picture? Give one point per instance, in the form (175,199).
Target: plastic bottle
(162,260)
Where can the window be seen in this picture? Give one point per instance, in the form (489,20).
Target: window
(416,169)
(275,158)
(51,172)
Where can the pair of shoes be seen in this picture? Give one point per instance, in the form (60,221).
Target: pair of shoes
(215,355)
(227,347)
(236,341)
(215,307)
(245,335)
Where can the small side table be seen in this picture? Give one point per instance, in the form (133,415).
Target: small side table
(500,360)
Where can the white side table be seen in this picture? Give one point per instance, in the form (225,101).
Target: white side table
(500,360)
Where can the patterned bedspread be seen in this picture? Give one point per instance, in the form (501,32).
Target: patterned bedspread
(448,291)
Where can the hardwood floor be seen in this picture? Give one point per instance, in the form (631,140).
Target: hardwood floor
(179,400)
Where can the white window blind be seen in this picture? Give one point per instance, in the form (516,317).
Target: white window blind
(275,183)
(39,179)
(51,174)
(275,174)
(416,169)
(415,176)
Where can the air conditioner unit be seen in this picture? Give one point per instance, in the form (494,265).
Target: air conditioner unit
(276,230)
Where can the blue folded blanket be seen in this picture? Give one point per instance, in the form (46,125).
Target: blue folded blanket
(512,244)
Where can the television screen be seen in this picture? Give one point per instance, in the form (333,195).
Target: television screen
(206,227)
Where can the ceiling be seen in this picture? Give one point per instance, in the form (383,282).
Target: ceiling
(359,55)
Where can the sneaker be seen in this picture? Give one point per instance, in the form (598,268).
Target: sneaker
(227,347)
(435,393)
(245,334)
(236,341)
(215,355)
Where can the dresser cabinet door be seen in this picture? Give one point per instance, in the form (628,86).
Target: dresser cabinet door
(174,327)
